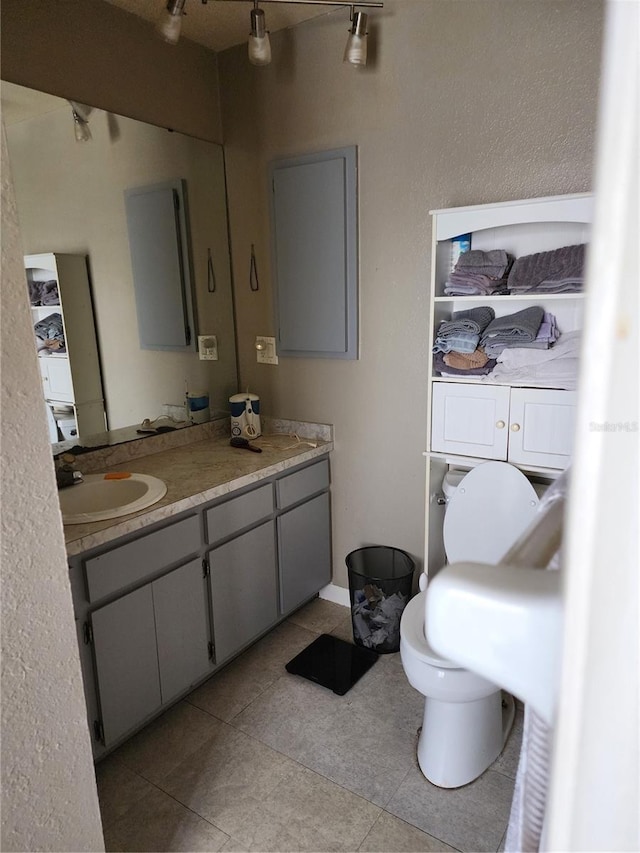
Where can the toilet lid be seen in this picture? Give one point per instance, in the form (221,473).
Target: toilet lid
(491,508)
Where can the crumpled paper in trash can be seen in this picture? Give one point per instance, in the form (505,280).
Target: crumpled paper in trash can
(376,618)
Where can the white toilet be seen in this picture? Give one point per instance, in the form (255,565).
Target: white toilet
(466,718)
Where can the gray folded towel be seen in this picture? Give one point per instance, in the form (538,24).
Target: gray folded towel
(473,320)
(494,263)
(530,271)
(513,328)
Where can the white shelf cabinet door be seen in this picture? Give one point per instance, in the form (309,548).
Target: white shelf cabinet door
(124,636)
(180,604)
(56,379)
(470,420)
(541,426)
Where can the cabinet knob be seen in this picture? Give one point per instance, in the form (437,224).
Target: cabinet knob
(500,424)
(515,427)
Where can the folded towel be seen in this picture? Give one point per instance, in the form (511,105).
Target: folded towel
(547,335)
(443,369)
(466,361)
(456,342)
(560,373)
(514,328)
(530,271)
(473,284)
(494,263)
(470,320)
(568,346)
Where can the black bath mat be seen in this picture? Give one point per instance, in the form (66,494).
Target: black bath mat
(333,663)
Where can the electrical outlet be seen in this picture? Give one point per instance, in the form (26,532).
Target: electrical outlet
(266,350)
(207,347)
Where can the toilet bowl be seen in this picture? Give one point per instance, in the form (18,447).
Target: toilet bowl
(467,719)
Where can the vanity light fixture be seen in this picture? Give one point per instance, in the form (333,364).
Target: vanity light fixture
(259,45)
(356,50)
(170,22)
(80,123)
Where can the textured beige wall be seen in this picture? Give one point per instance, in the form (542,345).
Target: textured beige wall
(98,54)
(49,798)
(464,102)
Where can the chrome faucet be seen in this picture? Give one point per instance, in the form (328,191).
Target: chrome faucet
(66,474)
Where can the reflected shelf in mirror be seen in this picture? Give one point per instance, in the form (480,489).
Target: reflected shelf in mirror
(70,199)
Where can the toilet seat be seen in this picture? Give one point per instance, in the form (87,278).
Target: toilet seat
(492,506)
(412,628)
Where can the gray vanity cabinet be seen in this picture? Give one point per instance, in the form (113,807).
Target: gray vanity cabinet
(243,589)
(158,611)
(304,552)
(150,646)
(304,534)
(124,638)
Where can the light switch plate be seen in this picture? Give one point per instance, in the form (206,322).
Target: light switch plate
(266,350)
(207,347)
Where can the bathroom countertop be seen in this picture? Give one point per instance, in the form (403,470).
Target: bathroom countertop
(196,473)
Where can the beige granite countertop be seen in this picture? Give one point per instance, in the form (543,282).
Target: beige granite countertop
(196,473)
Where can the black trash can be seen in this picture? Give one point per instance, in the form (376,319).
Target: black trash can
(379,588)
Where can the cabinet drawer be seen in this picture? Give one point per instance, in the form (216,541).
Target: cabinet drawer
(308,481)
(227,518)
(141,558)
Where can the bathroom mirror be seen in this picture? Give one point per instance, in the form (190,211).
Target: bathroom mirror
(71,199)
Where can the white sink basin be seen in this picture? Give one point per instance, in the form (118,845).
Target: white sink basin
(99,499)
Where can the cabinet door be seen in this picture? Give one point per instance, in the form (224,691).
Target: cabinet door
(304,551)
(541,427)
(470,420)
(243,589)
(124,636)
(56,378)
(181,608)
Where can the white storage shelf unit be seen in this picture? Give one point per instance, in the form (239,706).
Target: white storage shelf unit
(471,420)
(71,378)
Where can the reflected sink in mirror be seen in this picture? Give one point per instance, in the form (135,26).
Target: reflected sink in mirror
(100,499)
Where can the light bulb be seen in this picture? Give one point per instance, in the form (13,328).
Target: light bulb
(81,128)
(259,44)
(170,24)
(356,50)
(259,50)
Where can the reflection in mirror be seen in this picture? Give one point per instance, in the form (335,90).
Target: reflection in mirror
(71,200)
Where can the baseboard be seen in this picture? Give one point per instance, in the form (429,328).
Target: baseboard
(335,593)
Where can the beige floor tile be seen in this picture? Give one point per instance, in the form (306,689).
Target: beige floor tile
(389,834)
(340,737)
(118,788)
(387,688)
(302,812)
(507,761)
(231,690)
(319,615)
(471,818)
(157,822)
(163,744)
(227,781)
(343,629)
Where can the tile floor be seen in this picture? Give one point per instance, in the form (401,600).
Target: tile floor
(259,760)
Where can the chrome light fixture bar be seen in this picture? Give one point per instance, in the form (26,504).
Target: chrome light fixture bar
(259,45)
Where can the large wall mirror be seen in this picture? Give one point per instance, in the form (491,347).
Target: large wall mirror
(71,199)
